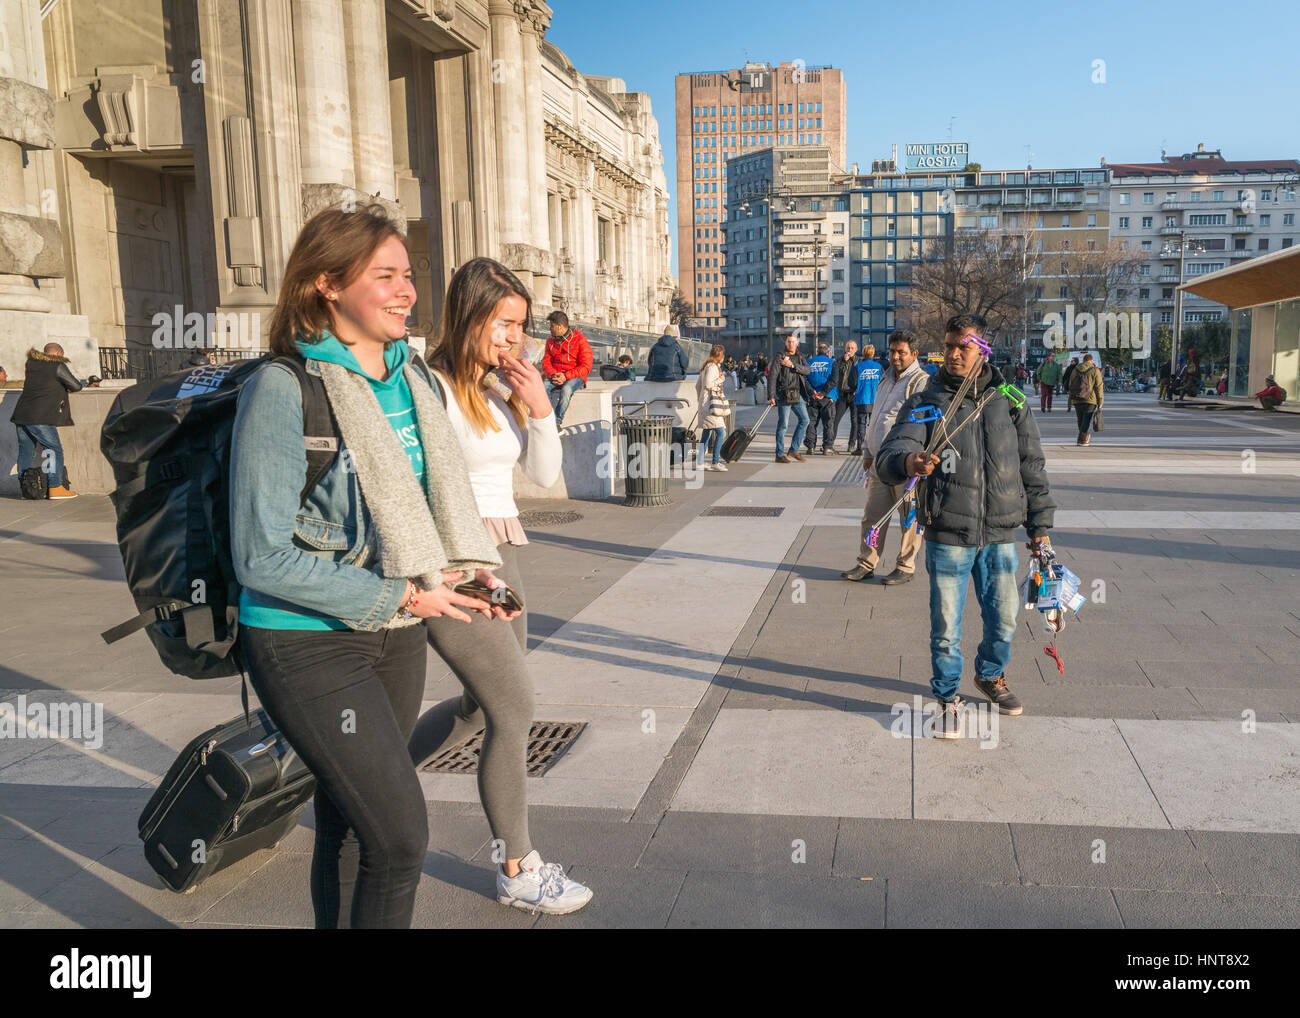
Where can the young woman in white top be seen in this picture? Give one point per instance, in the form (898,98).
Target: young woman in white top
(475,363)
(709,395)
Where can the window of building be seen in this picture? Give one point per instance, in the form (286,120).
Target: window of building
(1167,292)
(1144,293)
(1123,222)
(1146,222)
(1092,219)
(1286,241)
(1266,194)
(1265,219)
(1288,219)
(1196,196)
(1166,317)
(1146,245)
(1124,197)
(1148,197)
(1263,243)
(1065,220)
(1218,196)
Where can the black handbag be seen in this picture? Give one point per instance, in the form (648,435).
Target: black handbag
(1097,423)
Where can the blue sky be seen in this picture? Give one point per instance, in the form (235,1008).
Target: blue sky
(1013,74)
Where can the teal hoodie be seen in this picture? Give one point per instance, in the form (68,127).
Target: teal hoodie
(394,393)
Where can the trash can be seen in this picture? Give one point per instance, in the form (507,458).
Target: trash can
(643,450)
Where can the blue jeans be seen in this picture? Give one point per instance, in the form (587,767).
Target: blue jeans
(47,435)
(800,411)
(710,442)
(993,568)
(561,394)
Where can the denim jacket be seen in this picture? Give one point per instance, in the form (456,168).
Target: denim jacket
(319,556)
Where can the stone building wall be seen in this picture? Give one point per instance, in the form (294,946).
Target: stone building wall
(162,169)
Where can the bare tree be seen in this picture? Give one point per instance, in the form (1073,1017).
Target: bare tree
(984,272)
(680,310)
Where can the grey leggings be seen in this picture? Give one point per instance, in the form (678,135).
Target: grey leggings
(487,656)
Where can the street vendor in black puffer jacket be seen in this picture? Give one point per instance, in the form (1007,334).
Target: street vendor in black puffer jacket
(971,504)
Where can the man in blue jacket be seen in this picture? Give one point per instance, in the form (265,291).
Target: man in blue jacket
(869,374)
(996,482)
(821,403)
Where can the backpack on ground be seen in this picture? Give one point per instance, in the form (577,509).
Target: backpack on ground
(168,442)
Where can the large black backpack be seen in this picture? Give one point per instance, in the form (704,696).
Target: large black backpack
(169,445)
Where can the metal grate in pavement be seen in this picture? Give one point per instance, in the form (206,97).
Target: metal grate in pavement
(744,510)
(547,742)
(541,518)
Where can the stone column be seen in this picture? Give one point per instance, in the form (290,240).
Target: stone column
(372,129)
(511,108)
(31,246)
(324,102)
(534,29)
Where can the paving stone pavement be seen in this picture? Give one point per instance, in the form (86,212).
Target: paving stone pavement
(755,754)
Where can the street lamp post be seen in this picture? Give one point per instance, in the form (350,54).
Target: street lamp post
(1178,303)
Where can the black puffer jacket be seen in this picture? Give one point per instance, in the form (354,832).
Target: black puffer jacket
(1000,480)
(47,380)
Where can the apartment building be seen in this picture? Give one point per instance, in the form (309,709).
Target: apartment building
(1224,211)
(722,115)
(808,218)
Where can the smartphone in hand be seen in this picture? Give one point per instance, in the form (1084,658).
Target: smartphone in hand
(503,597)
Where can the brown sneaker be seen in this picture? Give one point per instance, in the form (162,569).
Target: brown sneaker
(60,492)
(784,459)
(998,693)
(798,456)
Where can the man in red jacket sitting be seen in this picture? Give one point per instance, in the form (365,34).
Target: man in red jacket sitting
(1272,395)
(566,363)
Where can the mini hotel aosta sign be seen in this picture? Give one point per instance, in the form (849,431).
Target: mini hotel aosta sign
(938,155)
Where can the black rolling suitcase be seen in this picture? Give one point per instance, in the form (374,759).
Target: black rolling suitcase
(735,444)
(233,791)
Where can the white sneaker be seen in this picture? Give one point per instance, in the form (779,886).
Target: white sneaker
(541,887)
(708,466)
(720,466)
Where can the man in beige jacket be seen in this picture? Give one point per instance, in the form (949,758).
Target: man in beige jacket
(904,378)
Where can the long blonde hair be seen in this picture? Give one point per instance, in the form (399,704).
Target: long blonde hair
(476,289)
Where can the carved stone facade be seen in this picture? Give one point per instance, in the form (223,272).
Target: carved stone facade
(606,199)
(183,143)
(33,299)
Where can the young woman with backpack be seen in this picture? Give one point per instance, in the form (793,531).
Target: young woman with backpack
(498,426)
(337,580)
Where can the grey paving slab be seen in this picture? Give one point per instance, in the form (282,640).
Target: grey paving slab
(808,763)
(742,843)
(930,904)
(1255,671)
(721,900)
(1094,856)
(1142,910)
(925,850)
(1042,770)
(1259,864)
(122,884)
(277,893)
(1210,775)
(454,893)
(580,843)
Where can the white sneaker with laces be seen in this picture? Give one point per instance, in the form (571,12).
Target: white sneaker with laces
(541,887)
(720,466)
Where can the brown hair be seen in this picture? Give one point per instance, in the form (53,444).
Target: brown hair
(716,353)
(340,245)
(476,289)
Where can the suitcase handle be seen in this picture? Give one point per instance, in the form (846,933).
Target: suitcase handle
(759,423)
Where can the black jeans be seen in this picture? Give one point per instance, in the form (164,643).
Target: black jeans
(1084,412)
(347,701)
(859,422)
(843,402)
(819,412)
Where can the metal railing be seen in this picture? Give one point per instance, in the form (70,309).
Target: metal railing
(145,364)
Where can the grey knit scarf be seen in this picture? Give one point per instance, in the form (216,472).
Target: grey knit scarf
(419,537)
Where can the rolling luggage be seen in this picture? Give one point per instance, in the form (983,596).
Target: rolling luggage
(235,789)
(738,441)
